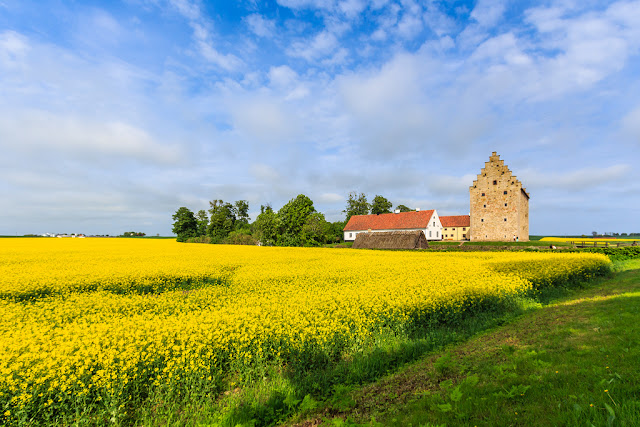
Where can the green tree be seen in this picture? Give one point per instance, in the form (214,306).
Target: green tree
(381,205)
(356,205)
(242,214)
(267,226)
(222,220)
(292,217)
(184,224)
(203,222)
(403,208)
(335,233)
(315,230)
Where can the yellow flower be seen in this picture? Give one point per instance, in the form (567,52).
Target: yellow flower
(93,315)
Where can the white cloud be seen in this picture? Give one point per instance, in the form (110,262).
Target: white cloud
(410,26)
(260,26)
(488,12)
(331,198)
(501,49)
(450,185)
(186,8)
(282,77)
(228,62)
(265,173)
(585,179)
(40,131)
(631,125)
(265,120)
(437,21)
(320,46)
(352,8)
(13,48)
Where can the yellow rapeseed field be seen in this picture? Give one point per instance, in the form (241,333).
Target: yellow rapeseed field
(105,322)
(585,239)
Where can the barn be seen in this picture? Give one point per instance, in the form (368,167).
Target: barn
(391,240)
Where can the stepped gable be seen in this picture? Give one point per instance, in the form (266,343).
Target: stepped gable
(499,204)
(493,168)
(390,221)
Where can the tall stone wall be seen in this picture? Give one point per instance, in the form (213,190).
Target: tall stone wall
(499,205)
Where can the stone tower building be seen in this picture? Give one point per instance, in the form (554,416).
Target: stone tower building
(499,204)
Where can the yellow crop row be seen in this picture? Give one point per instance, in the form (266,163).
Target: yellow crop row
(585,239)
(77,325)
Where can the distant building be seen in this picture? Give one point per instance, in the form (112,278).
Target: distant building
(455,227)
(425,221)
(499,205)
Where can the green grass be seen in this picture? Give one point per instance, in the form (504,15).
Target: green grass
(495,367)
(572,362)
(427,368)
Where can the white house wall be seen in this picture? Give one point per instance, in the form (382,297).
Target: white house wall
(436,233)
(432,232)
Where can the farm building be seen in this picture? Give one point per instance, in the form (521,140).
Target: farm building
(426,221)
(499,204)
(499,211)
(391,240)
(455,227)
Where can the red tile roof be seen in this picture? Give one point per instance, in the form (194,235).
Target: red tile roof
(456,221)
(390,221)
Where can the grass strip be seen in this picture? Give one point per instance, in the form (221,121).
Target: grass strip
(572,362)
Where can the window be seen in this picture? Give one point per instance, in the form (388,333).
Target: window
(481,219)
(505,220)
(505,192)
(483,194)
(484,206)
(453,229)
(464,228)
(437,234)
(434,223)
(505,205)
(430,233)
(495,182)
(350,235)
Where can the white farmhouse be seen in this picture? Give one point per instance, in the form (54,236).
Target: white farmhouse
(426,221)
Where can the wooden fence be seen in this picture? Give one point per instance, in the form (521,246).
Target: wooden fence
(600,244)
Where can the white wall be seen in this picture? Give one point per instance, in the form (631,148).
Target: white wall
(435,227)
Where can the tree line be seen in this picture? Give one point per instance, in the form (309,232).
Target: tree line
(297,223)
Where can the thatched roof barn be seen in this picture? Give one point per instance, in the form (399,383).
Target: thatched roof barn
(391,240)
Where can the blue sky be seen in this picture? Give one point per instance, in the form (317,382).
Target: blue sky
(114,114)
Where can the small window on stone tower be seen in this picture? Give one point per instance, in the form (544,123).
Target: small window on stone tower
(481,219)
(505,191)
(484,206)
(483,194)
(505,220)
(505,205)
(495,182)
